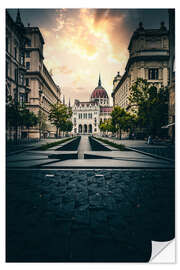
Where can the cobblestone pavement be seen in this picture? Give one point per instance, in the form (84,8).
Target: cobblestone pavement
(87,215)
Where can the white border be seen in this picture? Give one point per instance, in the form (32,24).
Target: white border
(71,4)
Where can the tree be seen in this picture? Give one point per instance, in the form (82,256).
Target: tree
(18,116)
(58,116)
(119,119)
(102,126)
(151,106)
(106,126)
(67,126)
(28,119)
(13,117)
(42,118)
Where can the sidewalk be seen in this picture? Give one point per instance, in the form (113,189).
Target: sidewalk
(128,143)
(167,151)
(14,149)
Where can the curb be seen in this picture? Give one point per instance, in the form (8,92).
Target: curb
(149,154)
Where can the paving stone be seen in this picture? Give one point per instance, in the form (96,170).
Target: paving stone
(82,198)
(110,203)
(82,215)
(81,187)
(69,196)
(104,250)
(81,246)
(69,206)
(92,188)
(96,201)
(128,207)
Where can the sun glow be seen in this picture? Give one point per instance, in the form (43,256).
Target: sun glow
(81,40)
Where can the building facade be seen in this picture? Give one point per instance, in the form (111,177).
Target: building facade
(27,78)
(148,59)
(171,124)
(87,116)
(15,66)
(42,89)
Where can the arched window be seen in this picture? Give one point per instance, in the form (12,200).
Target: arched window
(85,128)
(90,129)
(80,129)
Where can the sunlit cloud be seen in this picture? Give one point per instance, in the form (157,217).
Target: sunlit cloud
(81,43)
(63,69)
(84,42)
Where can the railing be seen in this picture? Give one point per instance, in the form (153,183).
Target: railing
(22,141)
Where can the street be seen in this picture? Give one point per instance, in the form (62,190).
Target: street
(93,215)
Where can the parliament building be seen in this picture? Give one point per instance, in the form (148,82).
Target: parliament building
(89,114)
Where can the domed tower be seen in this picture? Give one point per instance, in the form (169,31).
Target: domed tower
(117,78)
(99,94)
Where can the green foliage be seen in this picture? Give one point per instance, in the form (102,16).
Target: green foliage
(17,116)
(13,115)
(106,126)
(68,126)
(121,147)
(122,120)
(42,118)
(29,119)
(59,116)
(49,145)
(151,106)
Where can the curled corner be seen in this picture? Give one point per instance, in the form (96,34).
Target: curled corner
(163,252)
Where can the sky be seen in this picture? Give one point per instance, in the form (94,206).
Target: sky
(81,43)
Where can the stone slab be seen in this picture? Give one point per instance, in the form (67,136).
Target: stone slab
(106,163)
(29,164)
(25,157)
(84,145)
(64,155)
(57,146)
(126,155)
(43,153)
(61,145)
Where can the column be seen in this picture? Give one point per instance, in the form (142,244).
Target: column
(165,76)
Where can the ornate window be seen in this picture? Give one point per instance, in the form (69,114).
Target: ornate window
(153,74)
(28,54)
(15,52)
(27,81)
(80,115)
(21,99)
(29,43)
(28,65)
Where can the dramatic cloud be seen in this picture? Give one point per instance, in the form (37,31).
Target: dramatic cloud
(63,69)
(81,43)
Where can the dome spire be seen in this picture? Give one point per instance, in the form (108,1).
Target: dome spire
(99,83)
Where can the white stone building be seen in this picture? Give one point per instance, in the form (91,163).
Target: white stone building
(87,116)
